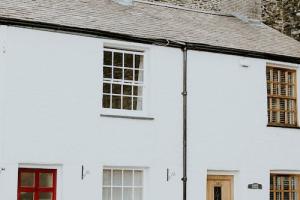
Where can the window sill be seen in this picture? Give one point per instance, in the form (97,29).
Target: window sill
(127,116)
(282,126)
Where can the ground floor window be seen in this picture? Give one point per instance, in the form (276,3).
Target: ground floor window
(284,187)
(122,184)
(37,184)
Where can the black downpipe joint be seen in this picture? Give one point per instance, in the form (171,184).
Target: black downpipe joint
(184,98)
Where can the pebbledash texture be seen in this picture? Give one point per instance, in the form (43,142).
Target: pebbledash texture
(283,15)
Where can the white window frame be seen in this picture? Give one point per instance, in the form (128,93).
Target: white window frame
(144,113)
(124,169)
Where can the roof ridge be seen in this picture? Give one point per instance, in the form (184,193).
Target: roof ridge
(182,8)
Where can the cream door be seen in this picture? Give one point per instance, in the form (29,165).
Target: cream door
(219,187)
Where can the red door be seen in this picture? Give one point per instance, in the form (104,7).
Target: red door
(37,184)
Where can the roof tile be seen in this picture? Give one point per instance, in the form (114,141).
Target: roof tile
(147,20)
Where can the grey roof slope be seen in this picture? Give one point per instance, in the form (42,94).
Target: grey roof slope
(153,21)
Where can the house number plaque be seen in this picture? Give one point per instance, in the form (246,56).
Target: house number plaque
(255,186)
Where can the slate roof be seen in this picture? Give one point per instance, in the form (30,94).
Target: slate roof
(146,20)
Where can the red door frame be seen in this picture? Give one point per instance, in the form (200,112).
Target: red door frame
(36,189)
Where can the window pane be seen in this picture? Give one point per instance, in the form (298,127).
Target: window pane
(217,193)
(139,75)
(268,88)
(116,89)
(271,183)
(26,196)
(127,103)
(117,193)
(118,59)
(106,101)
(118,74)
(275,75)
(27,179)
(45,196)
(286,196)
(294,196)
(106,194)
(127,89)
(137,103)
(128,194)
(128,74)
(275,89)
(128,177)
(282,77)
(137,90)
(46,180)
(128,60)
(106,177)
(116,102)
(290,79)
(138,194)
(283,90)
(117,177)
(138,178)
(293,182)
(107,58)
(278,183)
(107,72)
(271,195)
(139,60)
(278,196)
(286,183)
(106,88)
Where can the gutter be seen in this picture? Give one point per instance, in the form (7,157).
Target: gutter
(154,41)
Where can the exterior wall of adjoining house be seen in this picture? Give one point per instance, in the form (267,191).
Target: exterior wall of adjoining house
(228,131)
(50,118)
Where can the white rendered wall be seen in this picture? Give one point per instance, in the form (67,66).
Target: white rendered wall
(50,117)
(227,121)
(52,102)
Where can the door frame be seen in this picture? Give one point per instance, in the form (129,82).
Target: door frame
(222,177)
(225,174)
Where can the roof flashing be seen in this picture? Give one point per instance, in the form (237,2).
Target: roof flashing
(124,2)
(250,21)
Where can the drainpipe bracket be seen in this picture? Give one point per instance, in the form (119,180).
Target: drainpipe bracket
(184,179)
(184,93)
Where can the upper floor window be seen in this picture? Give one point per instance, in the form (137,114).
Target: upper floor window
(285,187)
(282,99)
(123,80)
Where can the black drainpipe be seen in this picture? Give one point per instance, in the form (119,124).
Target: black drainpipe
(184,97)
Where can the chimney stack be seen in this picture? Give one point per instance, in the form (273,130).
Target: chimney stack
(249,10)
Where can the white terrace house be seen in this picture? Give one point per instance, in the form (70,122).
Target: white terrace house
(105,100)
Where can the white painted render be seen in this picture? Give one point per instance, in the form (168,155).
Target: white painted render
(50,117)
(227,108)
